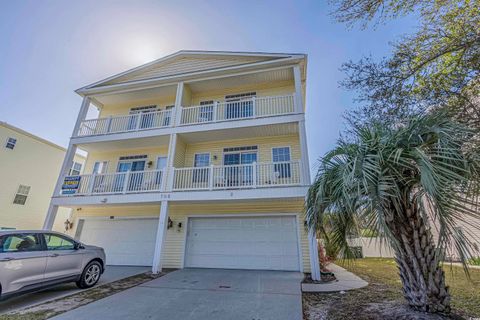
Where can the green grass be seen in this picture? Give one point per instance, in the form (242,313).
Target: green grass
(465,292)
(383,299)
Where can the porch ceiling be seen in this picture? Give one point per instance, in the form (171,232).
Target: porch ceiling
(240,133)
(252,79)
(137,95)
(126,144)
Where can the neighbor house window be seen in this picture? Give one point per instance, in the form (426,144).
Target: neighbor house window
(282,155)
(75,169)
(22,194)
(202,160)
(11,142)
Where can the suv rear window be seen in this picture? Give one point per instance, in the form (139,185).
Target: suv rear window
(20,243)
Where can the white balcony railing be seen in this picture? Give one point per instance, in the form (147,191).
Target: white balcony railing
(119,182)
(253,107)
(255,175)
(133,122)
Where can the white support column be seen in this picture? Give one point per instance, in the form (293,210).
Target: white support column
(160,239)
(304,162)
(72,149)
(50,218)
(313,248)
(297,75)
(172,147)
(178,104)
(67,164)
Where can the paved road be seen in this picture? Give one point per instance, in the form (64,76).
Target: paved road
(112,273)
(203,294)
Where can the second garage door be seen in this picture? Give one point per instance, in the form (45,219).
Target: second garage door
(128,242)
(263,243)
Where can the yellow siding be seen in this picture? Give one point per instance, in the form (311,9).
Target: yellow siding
(33,162)
(265,145)
(265,90)
(123,109)
(185,65)
(178,212)
(180,150)
(189,98)
(113,156)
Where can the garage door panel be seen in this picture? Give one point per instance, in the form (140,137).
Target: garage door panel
(243,242)
(126,241)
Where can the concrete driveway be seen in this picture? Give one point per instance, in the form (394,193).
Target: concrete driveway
(203,294)
(112,273)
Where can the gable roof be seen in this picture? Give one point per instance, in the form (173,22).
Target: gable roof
(186,62)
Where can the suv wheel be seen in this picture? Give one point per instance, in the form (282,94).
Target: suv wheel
(90,275)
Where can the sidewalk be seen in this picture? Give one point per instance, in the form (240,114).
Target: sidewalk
(345,281)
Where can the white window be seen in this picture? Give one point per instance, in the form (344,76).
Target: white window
(202,160)
(100,167)
(282,155)
(11,142)
(22,194)
(75,169)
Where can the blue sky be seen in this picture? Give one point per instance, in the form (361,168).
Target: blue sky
(50,48)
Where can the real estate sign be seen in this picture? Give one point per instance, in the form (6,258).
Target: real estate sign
(70,184)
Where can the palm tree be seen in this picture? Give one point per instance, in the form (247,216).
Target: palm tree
(400,182)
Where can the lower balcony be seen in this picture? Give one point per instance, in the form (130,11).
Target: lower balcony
(225,177)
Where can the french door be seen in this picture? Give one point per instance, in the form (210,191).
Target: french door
(146,117)
(239,106)
(237,171)
(135,180)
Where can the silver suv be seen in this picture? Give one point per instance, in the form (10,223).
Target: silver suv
(34,260)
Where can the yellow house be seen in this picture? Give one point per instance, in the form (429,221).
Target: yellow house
(197,159)
(29,167)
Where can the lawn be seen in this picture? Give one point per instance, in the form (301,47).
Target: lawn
(382,299)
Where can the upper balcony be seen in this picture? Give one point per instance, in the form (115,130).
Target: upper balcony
(243,100)
(216,111)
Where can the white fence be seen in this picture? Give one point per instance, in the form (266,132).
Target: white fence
(253,107)
(373,247)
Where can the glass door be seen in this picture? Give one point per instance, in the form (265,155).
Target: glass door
(239,106)
(135,180)
(119,180)
(236,174)
(146,115)
(247,174)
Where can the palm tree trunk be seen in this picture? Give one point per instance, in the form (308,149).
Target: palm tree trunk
(422,276)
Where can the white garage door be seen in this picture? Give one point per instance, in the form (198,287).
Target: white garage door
(128,242)
(265,243)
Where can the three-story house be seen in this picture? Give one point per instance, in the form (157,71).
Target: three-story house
(198,159)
